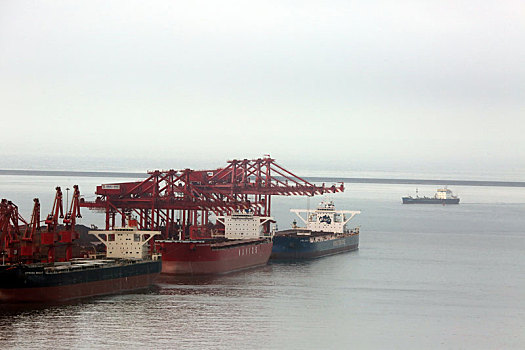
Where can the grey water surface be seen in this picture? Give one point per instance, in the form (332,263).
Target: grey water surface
(424,277)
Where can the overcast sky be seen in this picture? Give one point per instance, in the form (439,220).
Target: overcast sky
(332,84)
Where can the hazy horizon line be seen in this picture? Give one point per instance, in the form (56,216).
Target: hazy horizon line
(334,179)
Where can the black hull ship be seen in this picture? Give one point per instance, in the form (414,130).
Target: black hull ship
(128,266)
(442,196)
(325,234)
(74,279)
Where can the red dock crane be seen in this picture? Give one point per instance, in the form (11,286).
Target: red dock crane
(68,235)
(53,236)
(17,246)
(50,237)
(9,230)
(28,246)
(21,241)
(175,200)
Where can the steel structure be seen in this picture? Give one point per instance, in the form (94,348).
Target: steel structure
(49,238)
(53,236)
(9,229)
(28,247)
(68,235)
(177,201)
(22,241)
(16,234)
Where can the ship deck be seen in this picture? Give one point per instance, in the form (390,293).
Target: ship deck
(219,243)
(76,265)
(302,232)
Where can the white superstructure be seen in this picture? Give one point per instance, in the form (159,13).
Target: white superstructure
(325,218)
(126,242)
(444,193)
(243,225)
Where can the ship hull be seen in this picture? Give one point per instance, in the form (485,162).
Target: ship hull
(27,283)
(207,258)
(409,200)
(288,246)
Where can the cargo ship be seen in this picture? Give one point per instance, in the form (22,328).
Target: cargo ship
(325,234)
(128,265)
(244,243)
(213,221)
(442,196)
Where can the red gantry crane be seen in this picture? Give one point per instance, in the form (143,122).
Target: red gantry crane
(9,230)
(22,241)
(50,237)
(182,200)
(17,246)
(53,236)
(28,246)
(68,235)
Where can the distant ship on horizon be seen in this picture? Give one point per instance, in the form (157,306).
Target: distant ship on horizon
(442,196)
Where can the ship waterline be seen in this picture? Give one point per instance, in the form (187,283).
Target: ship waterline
(128,266)
(289,246)
(442,196)
(325,234)
(36,283)
(202,257)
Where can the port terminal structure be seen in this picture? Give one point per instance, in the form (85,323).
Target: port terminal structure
(180,203)
(23,241)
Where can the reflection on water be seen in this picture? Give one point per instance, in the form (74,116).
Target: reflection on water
(423,277)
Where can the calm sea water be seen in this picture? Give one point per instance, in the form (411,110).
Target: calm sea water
(447,277)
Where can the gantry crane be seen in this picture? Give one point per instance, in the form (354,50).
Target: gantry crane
(50,237)
(22,241)
(28,246)
(179,200)
(17,246)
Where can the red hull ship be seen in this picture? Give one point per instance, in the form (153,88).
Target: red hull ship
(180,204)
(238,241)
(213,257)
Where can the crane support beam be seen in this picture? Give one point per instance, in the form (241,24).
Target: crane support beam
(177,198)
